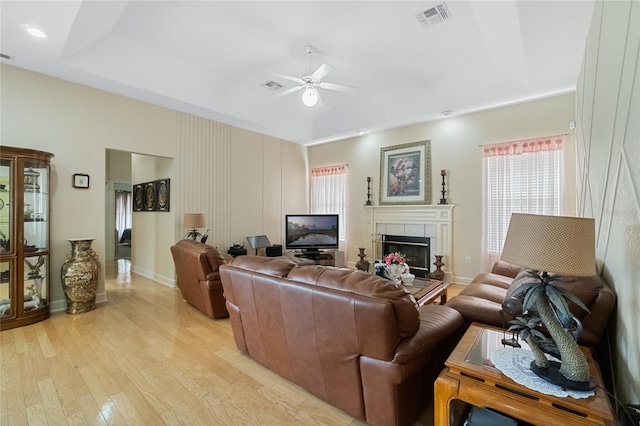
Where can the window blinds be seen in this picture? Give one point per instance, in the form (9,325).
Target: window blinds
(329,194)
(520,177)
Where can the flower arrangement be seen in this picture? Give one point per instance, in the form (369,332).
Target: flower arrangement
(396,267)
(395,258)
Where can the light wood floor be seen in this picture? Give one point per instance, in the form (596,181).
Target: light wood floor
(145,357)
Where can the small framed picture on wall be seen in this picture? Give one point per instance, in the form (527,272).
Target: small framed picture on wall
(80,181)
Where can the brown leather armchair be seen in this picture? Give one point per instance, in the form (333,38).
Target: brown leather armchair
(481,300)
(352,338)
(198,276)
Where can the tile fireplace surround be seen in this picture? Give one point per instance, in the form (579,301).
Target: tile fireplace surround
(433,221)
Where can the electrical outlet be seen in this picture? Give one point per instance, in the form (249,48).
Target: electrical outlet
(467,259)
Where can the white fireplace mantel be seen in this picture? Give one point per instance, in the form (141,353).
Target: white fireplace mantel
(434,221)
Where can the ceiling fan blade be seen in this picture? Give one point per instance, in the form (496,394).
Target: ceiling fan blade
(288,91)
(287,77)
(322,70)
(340,87)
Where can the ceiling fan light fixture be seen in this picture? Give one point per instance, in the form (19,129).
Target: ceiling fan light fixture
(35,32)
(310,97)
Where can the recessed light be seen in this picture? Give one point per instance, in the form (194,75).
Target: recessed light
(447,112)
(35,32)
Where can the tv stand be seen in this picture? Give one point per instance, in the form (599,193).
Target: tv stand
(324,258)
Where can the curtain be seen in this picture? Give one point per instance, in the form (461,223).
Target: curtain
(123,212)
(329,195)
(518,177)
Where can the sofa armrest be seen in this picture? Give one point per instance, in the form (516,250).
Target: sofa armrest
(437,323)
(478,309)
(213,276)
(506,269)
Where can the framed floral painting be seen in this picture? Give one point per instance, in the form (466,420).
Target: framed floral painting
(405,173)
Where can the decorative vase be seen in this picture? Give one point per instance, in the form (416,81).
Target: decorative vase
(407,278)
(394,271)
(362,265)
(438,274)
(80,273)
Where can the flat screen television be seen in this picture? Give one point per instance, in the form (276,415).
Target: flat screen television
(311,232)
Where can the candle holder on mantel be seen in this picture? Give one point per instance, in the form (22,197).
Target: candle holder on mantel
(368,203)
(443,200)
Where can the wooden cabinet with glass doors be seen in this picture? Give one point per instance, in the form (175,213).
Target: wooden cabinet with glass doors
(24,236)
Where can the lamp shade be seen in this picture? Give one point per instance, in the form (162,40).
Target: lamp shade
(564,245)
(194,220)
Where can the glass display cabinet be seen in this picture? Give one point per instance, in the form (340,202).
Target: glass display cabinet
(24,236)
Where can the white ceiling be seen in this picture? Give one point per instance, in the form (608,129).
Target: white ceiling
(210,58)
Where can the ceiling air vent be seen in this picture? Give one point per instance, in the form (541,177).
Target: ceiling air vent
(432,16)
(8,57)
(272,85)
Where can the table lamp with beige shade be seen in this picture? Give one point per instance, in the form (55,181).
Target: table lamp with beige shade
(556,245)
(193,221)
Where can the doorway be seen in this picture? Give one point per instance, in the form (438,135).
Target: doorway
(123,211)
(118,205)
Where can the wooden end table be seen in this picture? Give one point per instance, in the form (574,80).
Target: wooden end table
(470,376)
(427,291)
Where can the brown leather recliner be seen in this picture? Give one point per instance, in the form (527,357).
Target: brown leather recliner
(352,338)
(198,276)
(481,300)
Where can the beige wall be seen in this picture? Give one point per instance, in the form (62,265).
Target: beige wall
(119,166)
(608,105)
(79,125)
(454,147)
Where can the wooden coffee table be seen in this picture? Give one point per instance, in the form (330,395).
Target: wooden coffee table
(427,291)
(470,376)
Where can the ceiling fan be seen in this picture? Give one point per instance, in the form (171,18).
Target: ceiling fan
(310,83)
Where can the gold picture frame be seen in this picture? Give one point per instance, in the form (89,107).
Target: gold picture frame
(405,174)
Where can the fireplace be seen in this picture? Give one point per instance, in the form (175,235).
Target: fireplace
(432,222)
(416,250)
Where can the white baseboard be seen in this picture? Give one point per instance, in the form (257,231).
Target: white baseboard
(61,305)
(461,280)
(169,282)
(58,305)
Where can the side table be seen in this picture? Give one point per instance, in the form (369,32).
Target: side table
(427,291)
(470,376)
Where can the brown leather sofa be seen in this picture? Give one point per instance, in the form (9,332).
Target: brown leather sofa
(481,300)
(198,276)
(352,338)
